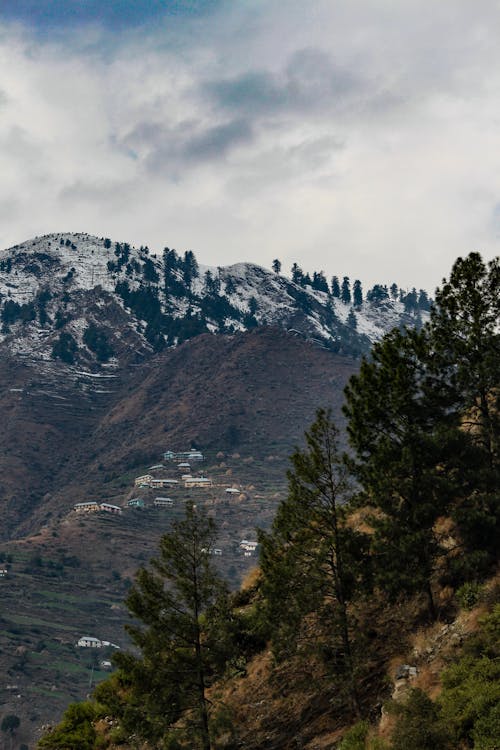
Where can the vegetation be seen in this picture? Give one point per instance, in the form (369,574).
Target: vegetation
(412,508)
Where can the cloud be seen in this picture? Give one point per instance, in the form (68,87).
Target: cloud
(360,138)
(310,83)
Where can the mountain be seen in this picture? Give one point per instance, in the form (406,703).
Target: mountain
(109,357)
(89,301)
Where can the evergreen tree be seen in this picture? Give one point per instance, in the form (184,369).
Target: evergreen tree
(405,446)
(312,560)
(466,338)
(394,291)
(65,348)
(351,320)
(276,266)
(176,600)
(335,287)
(377,293)
(319,282)
(297,275)
(411,301)
(423,301)
(345,292)
(466,368)
(190,267)
(357,293)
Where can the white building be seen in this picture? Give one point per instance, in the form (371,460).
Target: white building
(87,641)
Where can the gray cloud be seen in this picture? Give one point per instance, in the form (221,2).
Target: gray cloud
(310,83)
(216,141)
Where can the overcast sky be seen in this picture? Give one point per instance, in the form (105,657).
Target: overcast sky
(360,137)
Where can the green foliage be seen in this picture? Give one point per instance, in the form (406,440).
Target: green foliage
(75,732)
(418,725)
(471,689)
(466,713)
(182,639)
(468,595)
(355,737)
(401,433)
(312,561)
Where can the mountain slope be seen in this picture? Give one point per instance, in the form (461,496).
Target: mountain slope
(87,300)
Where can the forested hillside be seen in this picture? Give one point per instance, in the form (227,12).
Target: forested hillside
(373,621)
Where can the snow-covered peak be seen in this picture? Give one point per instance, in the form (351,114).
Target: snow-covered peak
(55,288)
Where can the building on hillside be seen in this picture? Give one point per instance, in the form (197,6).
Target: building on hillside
(88,507)
(197,482)
(87,641)
(192,455)
(163,482)
(3,572)
(184,466)
(232,491)
(217,551)
(136,502)
(143,481)
(248,546)
(110,508)
(163,502)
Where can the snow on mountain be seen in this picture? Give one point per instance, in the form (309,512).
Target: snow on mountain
(81,298)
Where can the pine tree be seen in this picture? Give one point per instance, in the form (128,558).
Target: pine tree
(405,447)
(297,274)
(357,293)
(466,367)
(175,600)
(465,334)
(189,268)
(335,287)
(345,292)
(277,266)
(312,560)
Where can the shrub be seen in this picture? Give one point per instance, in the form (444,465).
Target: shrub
(468,595)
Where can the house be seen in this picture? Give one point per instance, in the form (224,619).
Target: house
(232,491)
(144,480)
(163,502)
(136,502)
(3,572)
(156,466)
(184,465)
(192,455)
(197,482)
(109,508)
(186,476)
(248,546)
(217,551)
(87,507)
(87,641)
(162,482)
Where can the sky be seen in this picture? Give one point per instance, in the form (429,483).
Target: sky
(357,137)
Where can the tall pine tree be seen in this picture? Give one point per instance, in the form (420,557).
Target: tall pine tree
(174,601)
(312,561)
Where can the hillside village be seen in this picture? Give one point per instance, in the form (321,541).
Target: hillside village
(184,483)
